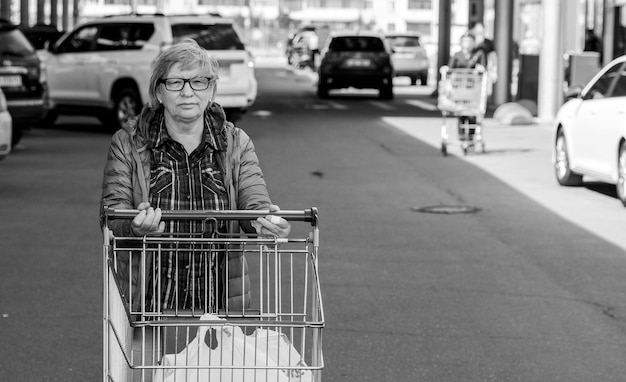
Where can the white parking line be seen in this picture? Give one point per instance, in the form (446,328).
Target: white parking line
(337,105)
(382,105)
(422,105)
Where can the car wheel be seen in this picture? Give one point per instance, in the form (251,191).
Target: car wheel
(322,90)
(16,135)
(126,105)
(49,119)
(386,92)
(621,174)
(564,175)
(424,79)
(413,80)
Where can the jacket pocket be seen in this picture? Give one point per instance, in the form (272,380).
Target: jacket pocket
(161,180)
(213,181)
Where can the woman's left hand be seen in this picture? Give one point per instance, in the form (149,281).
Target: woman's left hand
(272,225)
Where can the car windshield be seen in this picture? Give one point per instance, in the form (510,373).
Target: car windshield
(210,37)
(404,41)
(14,43)
(356,44)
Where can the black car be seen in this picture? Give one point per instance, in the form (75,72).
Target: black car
(359,60)
(22,79)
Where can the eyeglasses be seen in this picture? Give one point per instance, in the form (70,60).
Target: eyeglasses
(196,83)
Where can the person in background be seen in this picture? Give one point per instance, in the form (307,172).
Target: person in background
(468,57)
(488,49)
(593,44)
(180,153)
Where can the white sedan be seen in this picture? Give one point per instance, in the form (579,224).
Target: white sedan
(590,131)
(6,127)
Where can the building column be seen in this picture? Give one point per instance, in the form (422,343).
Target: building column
(75,13)
(5,9)
(608,28)
(66,15)
(503,41)
(24,13)
(41,17)
(550,62)
(54,12)
(445,16)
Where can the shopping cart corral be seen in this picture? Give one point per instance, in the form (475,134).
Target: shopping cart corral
(462,96)
(277,337)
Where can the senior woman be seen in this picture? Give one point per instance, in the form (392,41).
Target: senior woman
(180,153)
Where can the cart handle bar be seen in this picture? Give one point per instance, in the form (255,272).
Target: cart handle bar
(306,215)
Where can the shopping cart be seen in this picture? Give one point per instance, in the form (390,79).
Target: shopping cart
(140,335)
(463,95)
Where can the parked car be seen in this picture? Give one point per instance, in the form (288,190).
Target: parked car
(356,59)
(590,131)
(409,57)
(103,67)
(6,127)
(22,79)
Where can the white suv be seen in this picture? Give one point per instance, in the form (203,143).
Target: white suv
(102,67)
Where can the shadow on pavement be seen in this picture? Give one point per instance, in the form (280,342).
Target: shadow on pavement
(602,188)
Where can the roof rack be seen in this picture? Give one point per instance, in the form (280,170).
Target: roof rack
(212,14)
(136,14)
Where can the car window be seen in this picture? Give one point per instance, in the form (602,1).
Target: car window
(404,41)
(210,37)
(14,43)
(82,40)
(356,44)
(123,36)
(620,85)
(602,88)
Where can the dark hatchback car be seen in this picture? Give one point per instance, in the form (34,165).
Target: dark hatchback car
(360,60)
(22,79)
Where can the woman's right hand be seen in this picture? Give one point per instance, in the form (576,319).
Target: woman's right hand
(147,220)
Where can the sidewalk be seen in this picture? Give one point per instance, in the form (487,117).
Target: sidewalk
(521,157)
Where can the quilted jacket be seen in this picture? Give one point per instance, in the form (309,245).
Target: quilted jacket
(126,183)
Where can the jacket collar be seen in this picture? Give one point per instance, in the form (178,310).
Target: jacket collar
(149,129)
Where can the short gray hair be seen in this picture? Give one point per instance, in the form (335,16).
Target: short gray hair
(188,54)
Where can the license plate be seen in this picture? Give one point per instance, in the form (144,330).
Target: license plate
(10,81)
(358,62)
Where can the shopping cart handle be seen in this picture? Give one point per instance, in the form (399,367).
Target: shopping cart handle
(306,215)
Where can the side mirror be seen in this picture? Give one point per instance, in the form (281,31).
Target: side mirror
(573,92)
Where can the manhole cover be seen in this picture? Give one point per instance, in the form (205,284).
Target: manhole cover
(447,210)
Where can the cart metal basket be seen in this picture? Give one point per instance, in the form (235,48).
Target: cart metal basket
(140,329)
(462,95)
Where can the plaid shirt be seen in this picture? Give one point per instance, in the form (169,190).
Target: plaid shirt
(182,181)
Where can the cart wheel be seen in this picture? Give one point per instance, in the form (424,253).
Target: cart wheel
(444,149)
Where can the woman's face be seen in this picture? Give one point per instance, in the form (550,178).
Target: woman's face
(186,105)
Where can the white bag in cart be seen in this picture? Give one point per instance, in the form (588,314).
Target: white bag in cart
(264,352)
(280,353)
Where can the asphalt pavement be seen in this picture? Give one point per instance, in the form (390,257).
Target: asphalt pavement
(521,156)
(509,292)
